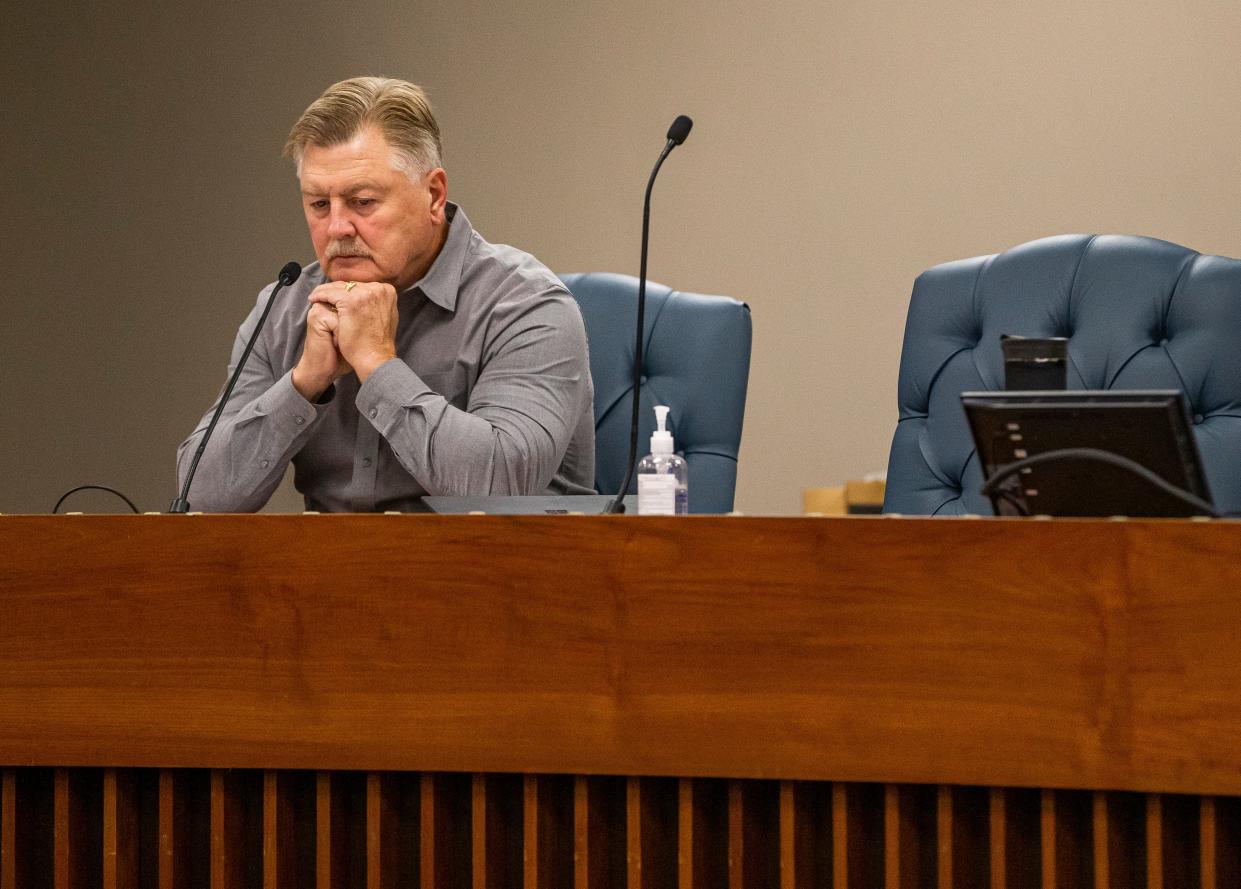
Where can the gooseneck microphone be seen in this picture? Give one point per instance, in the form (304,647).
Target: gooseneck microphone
(676,135)
(287,276)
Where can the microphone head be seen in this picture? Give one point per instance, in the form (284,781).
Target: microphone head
(290,273)
(680,129)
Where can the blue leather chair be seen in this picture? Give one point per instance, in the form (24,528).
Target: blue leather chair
(1139,314)
(696,360)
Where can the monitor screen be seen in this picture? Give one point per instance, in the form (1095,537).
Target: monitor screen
(1150,428)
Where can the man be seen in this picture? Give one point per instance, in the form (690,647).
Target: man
(414,357)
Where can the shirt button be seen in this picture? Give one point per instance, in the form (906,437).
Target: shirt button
(263,464)
(373,412)
(299,420)
(366,461)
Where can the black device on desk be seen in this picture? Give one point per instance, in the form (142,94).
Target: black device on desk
(1088,453)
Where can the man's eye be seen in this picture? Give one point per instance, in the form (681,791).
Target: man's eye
(318,205)
(364,202)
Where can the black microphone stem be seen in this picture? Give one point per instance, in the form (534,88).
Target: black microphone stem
(288,275)
(618,505)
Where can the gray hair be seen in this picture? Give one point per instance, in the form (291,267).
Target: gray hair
(401,111)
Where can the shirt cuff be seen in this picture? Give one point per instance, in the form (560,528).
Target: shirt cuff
(389,390)
(284,404)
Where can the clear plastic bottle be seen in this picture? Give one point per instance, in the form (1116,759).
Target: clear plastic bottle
(663,477)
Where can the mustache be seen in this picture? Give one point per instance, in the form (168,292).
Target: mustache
(346,247)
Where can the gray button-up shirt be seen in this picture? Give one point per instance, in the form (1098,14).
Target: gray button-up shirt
(490,394)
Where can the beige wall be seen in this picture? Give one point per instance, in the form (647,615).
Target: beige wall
(839,149)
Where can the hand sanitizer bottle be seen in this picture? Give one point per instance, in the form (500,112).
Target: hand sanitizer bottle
(663,477)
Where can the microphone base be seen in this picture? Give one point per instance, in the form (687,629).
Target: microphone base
(180,505)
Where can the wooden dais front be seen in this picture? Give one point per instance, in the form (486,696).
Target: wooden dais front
(381,701)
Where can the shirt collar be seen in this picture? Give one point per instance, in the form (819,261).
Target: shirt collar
(442,281)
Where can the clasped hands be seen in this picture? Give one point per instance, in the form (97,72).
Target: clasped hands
(350,327)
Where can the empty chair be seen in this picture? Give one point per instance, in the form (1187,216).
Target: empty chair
(696,360)
(1138,313)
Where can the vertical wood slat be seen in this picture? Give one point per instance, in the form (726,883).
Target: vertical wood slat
(277,836)
(582,851)
(840,836)
(1014,846)
(1047,836)
(548,832)
(703,830)
(633,833)
(478,824)
(805,828)
(66,859)
(1067,847)
(1154,841)
(444,832)
(235,838)
(331,855)
(323,832)
(737,853)
(1180,840)
(120,830)
(857,820)
(340,830)
(31,825)
(77,845)
(944,830)
(1206,841)
(428,826)
(910,836)
(534,874)
(688,843)
(382,832)
(289,816)
(1225,841)
(168,826)
(227,850)
(1119,839)
(599,843)
(1219,843)
(8,829)
(183,806)
(892,839)
(1099,838)
(753,843)
(788,837)
(650,839)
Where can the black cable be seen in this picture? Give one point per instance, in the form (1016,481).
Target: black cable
(65,496)
(1100,456)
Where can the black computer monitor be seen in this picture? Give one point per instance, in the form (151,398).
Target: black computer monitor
(1149,428)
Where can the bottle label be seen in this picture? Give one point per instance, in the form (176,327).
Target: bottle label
(657,494)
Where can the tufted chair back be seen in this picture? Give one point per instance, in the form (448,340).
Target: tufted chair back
(1139,314)
(696,360)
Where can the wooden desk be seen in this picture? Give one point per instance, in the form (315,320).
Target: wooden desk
(457,700)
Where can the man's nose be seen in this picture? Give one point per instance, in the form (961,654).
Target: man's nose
(340,224)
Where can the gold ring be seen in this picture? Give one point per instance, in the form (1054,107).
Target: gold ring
(350,285)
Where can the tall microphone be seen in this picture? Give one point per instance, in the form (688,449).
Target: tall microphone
(676,135)
(287,276)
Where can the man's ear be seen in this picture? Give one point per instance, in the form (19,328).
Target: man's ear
(437,185)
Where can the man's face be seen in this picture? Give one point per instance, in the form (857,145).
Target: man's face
(368,221)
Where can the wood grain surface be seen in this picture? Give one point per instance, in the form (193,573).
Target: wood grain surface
(1071,654)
